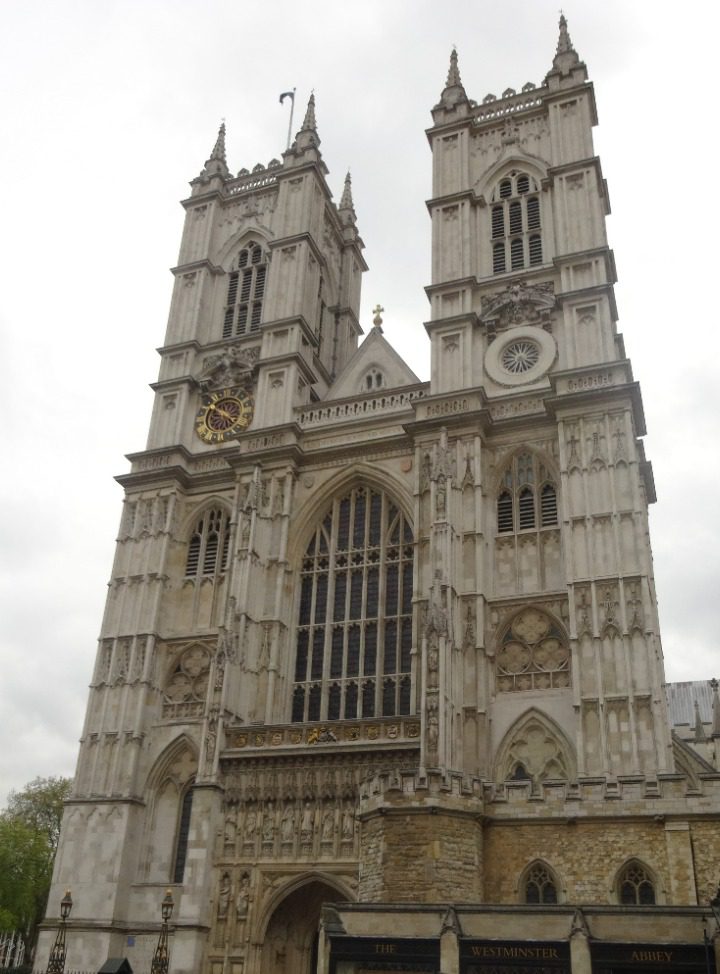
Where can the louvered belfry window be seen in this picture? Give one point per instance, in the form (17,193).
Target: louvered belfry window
(246,290)
(209,543)
(354,635)
(528,497)
(515,224)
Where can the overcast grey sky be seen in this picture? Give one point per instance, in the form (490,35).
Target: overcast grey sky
(110,108)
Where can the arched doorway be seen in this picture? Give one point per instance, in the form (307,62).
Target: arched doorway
(291,937)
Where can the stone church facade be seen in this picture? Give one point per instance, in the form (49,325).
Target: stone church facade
(388,644)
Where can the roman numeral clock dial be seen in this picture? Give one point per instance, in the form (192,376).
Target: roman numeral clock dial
(223,415)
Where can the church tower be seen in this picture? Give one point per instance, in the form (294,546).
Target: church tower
(372,640)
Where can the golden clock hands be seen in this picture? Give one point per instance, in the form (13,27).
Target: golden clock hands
(223,413)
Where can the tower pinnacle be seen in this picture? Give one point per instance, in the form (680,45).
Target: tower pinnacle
(566,57)
(216,164)
(453,78)
(346,208)
(309,124)
(307,136)
(453,95)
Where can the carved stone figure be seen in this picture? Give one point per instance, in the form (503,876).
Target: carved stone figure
(307,824)
(224,894)
(243,895)
(287,824)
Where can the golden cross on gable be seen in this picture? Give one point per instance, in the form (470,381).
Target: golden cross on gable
(377,311)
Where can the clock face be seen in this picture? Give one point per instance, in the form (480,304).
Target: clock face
(223,415)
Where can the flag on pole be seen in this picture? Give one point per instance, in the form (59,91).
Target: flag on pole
(287,94)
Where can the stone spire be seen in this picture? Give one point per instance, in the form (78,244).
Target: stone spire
(346,209)
(564,43)
(453,96)
(566,57)
(218,151)
(307,137)
(453,78)
(309,124)
(216,165)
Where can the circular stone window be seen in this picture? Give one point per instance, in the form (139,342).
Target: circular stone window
(520,356)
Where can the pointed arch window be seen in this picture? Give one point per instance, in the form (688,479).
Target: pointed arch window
(635,885)
(354,636)
(245,293)
(515,220)
(539,885)
(209,544)
(183,833)
(527,499)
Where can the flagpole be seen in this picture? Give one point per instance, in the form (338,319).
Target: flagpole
(292,109)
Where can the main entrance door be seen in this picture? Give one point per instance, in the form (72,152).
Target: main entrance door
(291,939)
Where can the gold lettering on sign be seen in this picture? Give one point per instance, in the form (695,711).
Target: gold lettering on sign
(663,956)
(385,948)
(522,953)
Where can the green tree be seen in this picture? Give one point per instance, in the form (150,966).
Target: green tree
(29,833)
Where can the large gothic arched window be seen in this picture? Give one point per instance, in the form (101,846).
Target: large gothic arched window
(515,223)
(354,635)
(246,289)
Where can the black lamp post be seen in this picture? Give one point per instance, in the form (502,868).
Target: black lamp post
(56,961)
(160,960)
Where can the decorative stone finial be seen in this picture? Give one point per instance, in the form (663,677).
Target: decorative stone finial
(309,124)
(453,78)
(216,165)
(453,96)
(564,43)
(377,320)
(218,151)
(307,137)
(346,208)
(566,56)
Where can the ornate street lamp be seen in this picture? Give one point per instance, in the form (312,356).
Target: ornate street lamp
(160,960)
(56,961)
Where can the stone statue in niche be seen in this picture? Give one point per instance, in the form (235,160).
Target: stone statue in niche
(250,826)
(425,472)
(348,824)
(230,831)
(287,825)
(441,497)
(433,659)
(433,725)
(307,824)
(268,829)
(224,893)
(328,825)
(243,896)
(635,608)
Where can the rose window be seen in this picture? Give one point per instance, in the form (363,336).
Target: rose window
(533,654)
(520,356)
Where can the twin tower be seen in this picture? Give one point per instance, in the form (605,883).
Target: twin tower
(383,642)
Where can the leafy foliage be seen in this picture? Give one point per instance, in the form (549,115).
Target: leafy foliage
(29,832)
